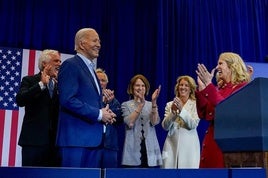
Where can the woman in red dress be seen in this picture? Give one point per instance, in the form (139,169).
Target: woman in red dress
(233,74)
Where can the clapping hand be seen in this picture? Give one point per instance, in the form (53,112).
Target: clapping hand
(204,75)
(45,74)
(141,97)
(108,95)
(176,105)
(156,93)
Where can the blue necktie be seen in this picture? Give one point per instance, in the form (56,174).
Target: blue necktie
(92,65)
(50,87)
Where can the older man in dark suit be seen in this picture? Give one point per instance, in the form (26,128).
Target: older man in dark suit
(38,94)
(111,137)
(83,118)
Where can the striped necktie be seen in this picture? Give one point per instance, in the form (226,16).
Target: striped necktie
(50,87)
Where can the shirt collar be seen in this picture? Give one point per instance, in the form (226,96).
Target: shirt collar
(87,61)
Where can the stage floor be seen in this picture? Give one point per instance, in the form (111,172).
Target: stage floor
(38,172)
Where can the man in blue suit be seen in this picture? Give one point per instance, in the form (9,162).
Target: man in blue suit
(82,117)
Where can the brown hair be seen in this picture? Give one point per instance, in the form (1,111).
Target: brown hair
(132,82)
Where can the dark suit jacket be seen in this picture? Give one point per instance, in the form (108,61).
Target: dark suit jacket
(111,135)
(41,112)
(80,103)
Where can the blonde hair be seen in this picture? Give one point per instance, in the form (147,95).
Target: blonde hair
(237,67)
(132,82)
(192,85)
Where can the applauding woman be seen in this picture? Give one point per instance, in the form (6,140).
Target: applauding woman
(141,147)
(182,147)
(232,75)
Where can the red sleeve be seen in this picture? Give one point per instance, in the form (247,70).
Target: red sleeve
(206,100)
(201,103)
(212,94)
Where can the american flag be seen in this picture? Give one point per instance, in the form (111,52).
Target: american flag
(15,63)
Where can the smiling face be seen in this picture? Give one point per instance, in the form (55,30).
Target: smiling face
(223,71)
(183,88)
(55,63)
(139,87)
(92,44)
(50,61)
(87,42)
(138,83)
(103,79)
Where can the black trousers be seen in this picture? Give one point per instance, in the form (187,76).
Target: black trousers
(40,156)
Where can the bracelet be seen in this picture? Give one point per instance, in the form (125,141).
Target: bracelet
(137,111)
(154,106)
(154,111)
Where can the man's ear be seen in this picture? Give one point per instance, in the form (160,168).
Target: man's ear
(44,64)
(81,45)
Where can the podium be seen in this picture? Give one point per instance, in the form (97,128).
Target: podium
(241,126)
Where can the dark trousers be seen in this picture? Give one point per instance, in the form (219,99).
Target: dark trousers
(40,156)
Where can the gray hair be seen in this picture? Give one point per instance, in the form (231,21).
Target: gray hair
(45,56)
(100,70)
(80,35)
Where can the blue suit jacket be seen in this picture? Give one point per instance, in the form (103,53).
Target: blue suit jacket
(80,103)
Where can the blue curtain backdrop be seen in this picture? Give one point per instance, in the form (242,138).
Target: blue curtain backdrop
(161,39)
